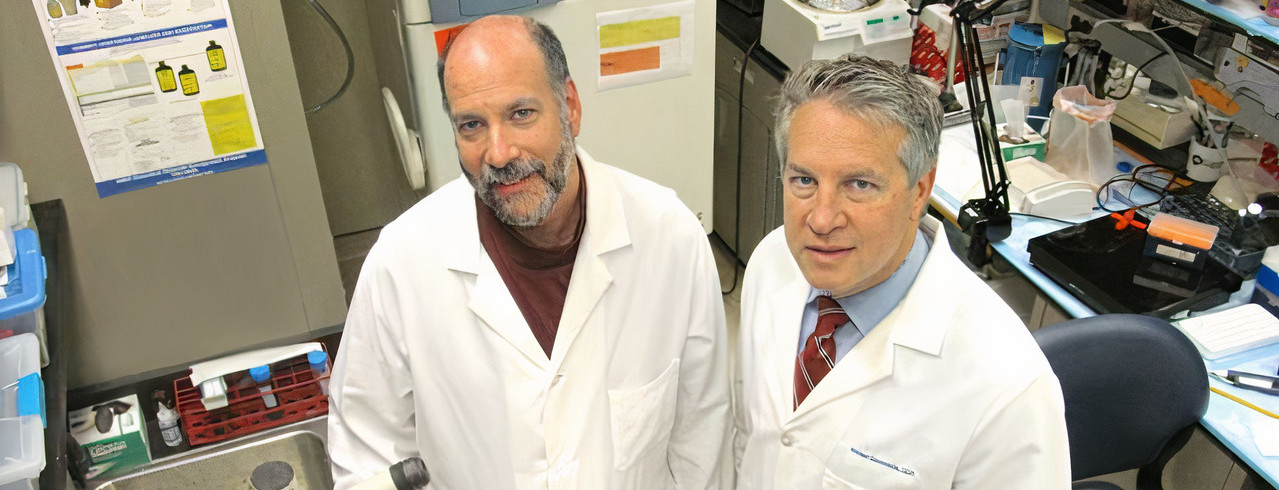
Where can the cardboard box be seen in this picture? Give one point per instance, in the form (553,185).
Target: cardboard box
(114,433)
(1034,146)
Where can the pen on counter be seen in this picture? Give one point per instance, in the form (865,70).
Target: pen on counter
(1243,402)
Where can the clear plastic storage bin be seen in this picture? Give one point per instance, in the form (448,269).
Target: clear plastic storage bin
(21,413)
(22,309)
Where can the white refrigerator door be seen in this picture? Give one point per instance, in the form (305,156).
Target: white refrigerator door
(662,131)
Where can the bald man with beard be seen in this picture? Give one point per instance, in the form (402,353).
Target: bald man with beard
(545,322)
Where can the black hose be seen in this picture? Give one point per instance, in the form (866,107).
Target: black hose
(350,57)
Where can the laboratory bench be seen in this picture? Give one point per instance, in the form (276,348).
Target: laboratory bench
(1232,424)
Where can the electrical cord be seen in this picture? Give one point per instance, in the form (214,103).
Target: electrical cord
(350,57)
(1040,216)
(1135,177)
(1134,78)
(737,216)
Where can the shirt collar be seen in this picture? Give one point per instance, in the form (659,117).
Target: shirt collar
(867,308)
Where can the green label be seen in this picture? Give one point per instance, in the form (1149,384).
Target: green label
(121,452)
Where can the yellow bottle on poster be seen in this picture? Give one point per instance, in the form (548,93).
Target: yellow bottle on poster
(190,83)
(217,57)
(164,75)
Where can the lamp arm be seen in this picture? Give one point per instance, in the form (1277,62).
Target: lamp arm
(987,218)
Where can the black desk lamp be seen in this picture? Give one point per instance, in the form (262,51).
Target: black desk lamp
(987,218)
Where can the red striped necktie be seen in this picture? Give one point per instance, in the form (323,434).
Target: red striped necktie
(818,356)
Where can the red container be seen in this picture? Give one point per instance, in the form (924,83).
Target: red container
(296,390)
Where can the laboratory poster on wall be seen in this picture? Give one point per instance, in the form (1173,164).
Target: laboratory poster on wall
(156,88)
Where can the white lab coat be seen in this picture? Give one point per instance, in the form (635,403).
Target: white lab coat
(437,360)
(948,391)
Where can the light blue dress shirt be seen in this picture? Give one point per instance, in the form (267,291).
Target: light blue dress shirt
(867,308)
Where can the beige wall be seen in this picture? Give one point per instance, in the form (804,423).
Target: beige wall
(192,269)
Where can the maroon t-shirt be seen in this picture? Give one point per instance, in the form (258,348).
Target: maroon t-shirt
(537,279)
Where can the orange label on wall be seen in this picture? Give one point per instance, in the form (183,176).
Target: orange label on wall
(619,62)
(444,36)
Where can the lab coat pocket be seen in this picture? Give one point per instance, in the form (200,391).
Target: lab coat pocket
(642,418)
(832,482)
(868,471)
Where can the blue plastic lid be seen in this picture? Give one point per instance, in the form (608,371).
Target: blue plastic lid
(25,291)
(317,357)
(261,374)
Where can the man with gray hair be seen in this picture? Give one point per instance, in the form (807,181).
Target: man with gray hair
(871,357)
(545,322)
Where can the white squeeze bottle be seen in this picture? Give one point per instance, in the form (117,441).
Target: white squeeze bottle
(169,429)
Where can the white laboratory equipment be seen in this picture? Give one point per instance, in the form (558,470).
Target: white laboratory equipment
(797,31)
(662,130)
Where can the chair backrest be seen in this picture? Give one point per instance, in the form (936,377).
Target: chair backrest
(1131,383)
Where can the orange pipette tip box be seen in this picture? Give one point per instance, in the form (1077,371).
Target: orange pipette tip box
(1179,240)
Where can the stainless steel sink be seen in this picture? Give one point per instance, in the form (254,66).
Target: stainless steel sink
(297,448)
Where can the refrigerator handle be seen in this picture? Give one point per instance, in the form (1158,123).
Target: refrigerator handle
(407,141)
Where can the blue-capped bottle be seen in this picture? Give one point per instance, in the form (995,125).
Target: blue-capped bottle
(319,361)
(262,376)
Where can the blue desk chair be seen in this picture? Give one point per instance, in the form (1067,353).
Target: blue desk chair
(1135,388)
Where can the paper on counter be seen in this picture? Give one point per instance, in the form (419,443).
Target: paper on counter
(1226,332)
(1265,434)
(246,360)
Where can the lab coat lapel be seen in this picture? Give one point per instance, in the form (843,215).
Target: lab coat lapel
(788,303)
(926,313)
(870,360)
(490,299)
(492,302)
(606,230)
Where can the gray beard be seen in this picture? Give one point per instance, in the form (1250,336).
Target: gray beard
(555,180)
